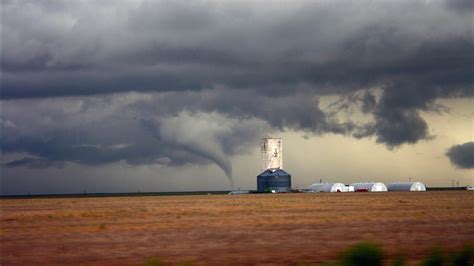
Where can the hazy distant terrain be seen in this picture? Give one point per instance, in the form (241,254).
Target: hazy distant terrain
(237,229)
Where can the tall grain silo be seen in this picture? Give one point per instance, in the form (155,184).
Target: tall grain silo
(274,181)
(273,178)
(272,153)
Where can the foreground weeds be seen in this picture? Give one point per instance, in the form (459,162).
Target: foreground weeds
(370,254)
(364,253)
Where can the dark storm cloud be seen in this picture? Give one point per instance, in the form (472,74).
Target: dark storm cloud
(394,127)
(79,49)
(138,129)
(462,155)
(299,112)
(88,130)
(229,70)
(396,116)
(461,5)
(37,163)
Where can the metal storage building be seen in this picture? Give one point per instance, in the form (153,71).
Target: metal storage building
(327,187)
(406,186)
(370,187)
(274,180)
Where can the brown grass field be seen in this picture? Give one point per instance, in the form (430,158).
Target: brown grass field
(231,229)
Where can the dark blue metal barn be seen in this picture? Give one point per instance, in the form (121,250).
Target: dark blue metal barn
(274,179)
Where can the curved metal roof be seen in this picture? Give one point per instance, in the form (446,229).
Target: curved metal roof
(327,187)
(406,186)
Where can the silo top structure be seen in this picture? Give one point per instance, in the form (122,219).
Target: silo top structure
(371,187)
(272,156)
(406,186)
(327,187)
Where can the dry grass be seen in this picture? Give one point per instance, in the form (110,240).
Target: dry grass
(231,229)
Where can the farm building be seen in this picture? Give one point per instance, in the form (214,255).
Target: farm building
(274,181)
(370,187)
(406,186)
(327,187)
(273,178)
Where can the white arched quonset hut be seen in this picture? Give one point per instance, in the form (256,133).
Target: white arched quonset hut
(370,187)
(406,186)
(327,187)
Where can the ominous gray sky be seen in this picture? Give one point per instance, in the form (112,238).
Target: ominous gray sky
(174,95)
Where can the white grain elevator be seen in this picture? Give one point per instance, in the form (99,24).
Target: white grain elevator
(272,153)
(273,178)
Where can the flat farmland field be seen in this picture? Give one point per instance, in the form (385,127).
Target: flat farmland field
(231,229)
